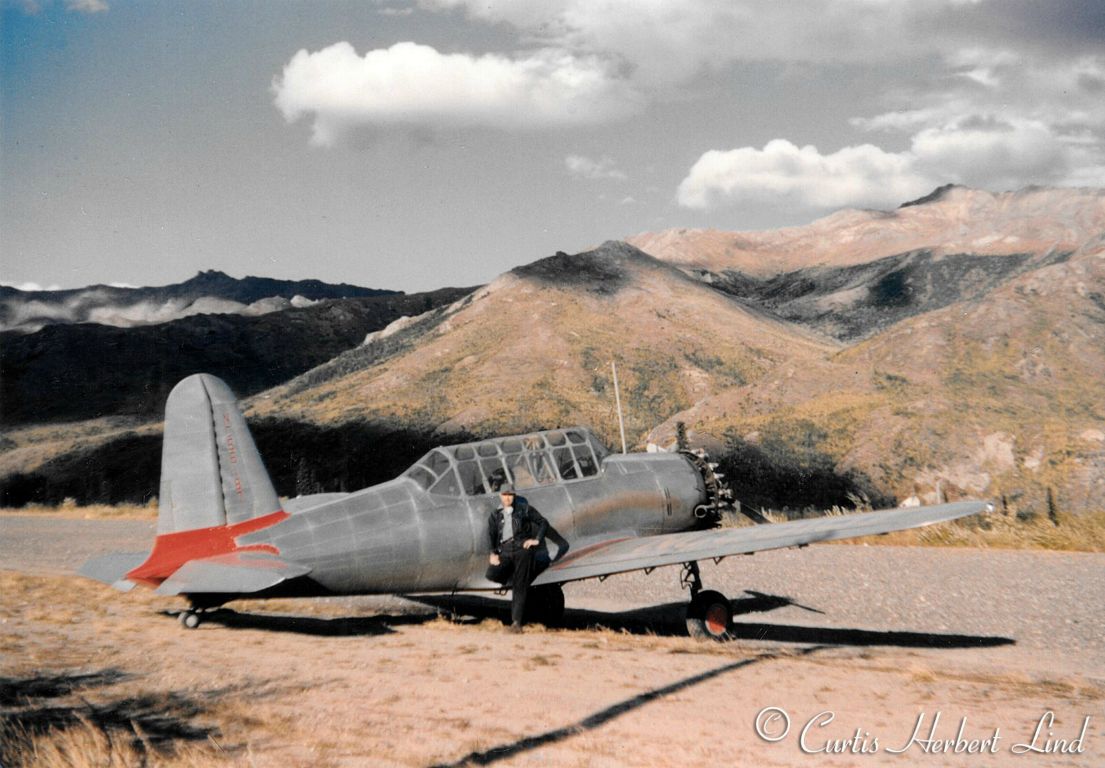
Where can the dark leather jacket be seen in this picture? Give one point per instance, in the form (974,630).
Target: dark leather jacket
(528,524)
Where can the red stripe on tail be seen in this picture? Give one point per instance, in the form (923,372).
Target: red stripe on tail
(172,550)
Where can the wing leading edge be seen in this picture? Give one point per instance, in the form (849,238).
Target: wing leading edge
(634,554)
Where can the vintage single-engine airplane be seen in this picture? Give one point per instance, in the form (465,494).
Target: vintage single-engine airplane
(223,533)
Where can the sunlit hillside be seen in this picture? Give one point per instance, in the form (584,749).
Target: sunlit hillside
(534,348)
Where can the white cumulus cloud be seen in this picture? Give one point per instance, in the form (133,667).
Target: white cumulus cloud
(412,84)
(863,175)
(1037,68)
(980,151)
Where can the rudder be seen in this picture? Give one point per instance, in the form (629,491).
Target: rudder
(211,472)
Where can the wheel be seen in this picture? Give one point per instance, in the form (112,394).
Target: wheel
(545,605)
(189,619)
(708,616)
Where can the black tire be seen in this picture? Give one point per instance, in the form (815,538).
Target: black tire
(545,605)
(709,615)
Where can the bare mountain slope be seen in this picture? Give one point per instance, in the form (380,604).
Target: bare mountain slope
(956,343)
(952,220)
(1001,395)
(534,347)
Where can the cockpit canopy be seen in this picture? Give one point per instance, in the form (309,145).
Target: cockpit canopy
(528,461)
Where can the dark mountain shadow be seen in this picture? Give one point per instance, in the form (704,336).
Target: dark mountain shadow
(301,458)
(87,370)
(790,469)
(858,301)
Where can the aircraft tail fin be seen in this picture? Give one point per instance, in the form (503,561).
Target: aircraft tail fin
(211,472)
(214,488)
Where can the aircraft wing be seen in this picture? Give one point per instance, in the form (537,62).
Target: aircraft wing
(234,573)
(641,552)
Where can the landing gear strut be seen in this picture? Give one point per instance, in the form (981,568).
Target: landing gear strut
(709,613)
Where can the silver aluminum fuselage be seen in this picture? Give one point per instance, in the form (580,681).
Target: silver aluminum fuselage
(398,538)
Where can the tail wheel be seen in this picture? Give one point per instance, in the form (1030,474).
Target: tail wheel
(709,616)
(189,619)
(545,605)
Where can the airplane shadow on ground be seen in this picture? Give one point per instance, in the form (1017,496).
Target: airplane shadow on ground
(665,620)
(668,619)
(603,716)
(345,626)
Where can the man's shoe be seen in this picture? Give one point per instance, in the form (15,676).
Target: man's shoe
(515,628)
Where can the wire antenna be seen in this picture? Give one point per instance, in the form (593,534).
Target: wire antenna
(618,400)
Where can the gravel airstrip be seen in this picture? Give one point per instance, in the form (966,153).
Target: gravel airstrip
(878,636)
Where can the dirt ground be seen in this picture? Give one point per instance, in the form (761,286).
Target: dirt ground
(392,682)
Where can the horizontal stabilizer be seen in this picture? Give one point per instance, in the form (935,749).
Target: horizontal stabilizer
(638,553)
(110,569)
(234,573)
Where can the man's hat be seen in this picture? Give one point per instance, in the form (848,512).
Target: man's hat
(506,488)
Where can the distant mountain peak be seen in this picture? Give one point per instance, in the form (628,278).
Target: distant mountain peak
(935,195)
(603,269)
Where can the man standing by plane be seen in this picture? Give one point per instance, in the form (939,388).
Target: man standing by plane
(516,531)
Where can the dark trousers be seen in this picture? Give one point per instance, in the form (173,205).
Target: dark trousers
(516,569)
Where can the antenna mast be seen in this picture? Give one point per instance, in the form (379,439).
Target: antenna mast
(618,400)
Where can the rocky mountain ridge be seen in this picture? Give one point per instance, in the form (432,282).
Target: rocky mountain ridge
(951,220)
(952,347)
(208,292)
(535,345)
(73,372)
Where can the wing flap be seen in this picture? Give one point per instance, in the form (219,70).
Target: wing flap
(234,573)
(622,555)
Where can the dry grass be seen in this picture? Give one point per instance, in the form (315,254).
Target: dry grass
(71,509)
(86,744)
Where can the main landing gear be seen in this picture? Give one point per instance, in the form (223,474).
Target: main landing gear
(709,613)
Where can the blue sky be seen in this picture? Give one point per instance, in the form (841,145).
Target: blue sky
(413,145)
